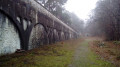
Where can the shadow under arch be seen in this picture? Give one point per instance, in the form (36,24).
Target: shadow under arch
(15,25)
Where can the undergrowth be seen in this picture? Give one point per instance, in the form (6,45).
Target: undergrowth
(110,52)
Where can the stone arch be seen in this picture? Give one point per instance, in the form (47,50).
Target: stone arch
(37,36)
(9,35)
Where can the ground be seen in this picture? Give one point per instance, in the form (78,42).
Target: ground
(84,57)
(71,53)
(110,51)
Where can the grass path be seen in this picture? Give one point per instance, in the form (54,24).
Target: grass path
(55,55)
(71,53)
(84,57)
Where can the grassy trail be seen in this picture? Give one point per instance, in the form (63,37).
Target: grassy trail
(71,53)
(84,57)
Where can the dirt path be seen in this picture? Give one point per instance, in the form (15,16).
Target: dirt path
(84,57)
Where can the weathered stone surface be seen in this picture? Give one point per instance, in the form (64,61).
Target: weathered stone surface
(9,37)
(37,36)
(36,26)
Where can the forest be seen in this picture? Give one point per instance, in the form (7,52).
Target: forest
(105,20)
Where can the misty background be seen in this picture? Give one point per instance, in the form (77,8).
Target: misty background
(88,17)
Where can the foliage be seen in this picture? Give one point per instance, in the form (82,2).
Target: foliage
(110,52)
(116,42)
(57,8)
(54,6)
(73,21)
(65,16)
(77,24)
(105,20)
(99,43)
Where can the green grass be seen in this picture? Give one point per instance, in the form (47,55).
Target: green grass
(87,58)
(97,61)
(57,55)
(51,58)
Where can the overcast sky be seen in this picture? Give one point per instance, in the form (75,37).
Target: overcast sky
(81,8)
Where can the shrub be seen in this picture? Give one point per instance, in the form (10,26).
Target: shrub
(99,43)
(116,42)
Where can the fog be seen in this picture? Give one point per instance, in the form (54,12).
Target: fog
(82,8)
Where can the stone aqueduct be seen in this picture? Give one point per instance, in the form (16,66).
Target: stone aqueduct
(25,24)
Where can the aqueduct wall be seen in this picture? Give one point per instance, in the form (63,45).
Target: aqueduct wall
(25,24)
